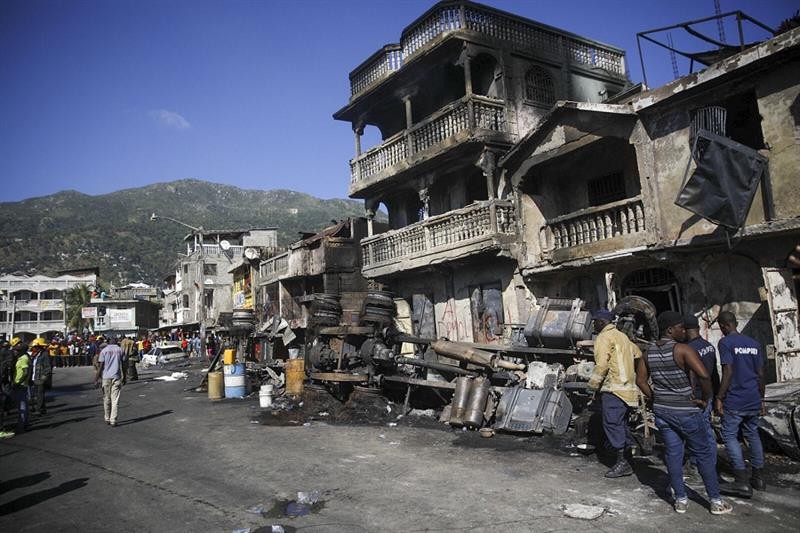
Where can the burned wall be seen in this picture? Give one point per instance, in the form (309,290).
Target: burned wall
(669,128)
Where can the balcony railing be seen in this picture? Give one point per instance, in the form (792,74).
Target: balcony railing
(274,267)
(519,33)
(465,113)
(215,249)
(594,224)
(442,232)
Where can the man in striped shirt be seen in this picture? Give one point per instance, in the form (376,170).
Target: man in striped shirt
(663,377)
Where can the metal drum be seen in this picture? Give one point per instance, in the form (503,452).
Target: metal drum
(215,386)
(473,416)
(460,399)
(235,381)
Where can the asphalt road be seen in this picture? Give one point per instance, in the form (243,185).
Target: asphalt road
(179,462)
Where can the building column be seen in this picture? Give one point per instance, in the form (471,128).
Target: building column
(409,123)
(358,131)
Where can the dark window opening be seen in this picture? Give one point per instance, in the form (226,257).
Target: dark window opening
(185,300)
(607,189)
(476,188)
(209,269)
(186,268)
(736,117)
(484,75)
(539,86)
(658,285)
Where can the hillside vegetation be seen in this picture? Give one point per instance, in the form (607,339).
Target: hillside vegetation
(114,231)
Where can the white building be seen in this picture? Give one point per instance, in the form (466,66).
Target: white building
(32,306)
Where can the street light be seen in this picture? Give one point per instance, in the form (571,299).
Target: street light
(197,232)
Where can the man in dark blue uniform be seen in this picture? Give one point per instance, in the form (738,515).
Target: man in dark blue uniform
(740,403)
(708,356)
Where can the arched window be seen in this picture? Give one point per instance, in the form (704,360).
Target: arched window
(539,86)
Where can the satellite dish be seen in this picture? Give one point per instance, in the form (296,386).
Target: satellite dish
(251,253)
(225,245)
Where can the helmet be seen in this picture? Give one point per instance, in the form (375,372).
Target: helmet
(15,341)
(38,341)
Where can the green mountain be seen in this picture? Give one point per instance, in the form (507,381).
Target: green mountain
(114,231)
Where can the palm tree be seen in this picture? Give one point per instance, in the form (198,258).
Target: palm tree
(76,299)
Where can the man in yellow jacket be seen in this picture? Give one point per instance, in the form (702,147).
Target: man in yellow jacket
(614,376)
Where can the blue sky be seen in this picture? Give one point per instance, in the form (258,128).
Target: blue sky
(104,95)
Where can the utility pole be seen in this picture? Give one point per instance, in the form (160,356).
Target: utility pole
(201,284)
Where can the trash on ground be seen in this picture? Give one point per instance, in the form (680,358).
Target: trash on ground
(256,509)
(175,376)
(583,512)
(308,498)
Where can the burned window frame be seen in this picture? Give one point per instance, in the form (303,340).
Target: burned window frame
(539,86)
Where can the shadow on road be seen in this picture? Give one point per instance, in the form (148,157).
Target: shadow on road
(29,500)
(78,408)
(143,418)
(24,481)
(57,424)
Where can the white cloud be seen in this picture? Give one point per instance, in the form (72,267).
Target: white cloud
(170,119)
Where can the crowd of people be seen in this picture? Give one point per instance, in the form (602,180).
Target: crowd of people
(677,375)
(26,368)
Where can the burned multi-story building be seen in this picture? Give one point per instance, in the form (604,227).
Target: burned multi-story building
(463,85)
(686,194)
(518,163)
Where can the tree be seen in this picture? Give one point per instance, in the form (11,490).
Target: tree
(76,299)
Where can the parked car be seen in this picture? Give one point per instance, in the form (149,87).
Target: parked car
(782,421)
(161,355)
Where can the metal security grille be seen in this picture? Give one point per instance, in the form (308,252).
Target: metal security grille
(539,86)
(712,118)
(606,189)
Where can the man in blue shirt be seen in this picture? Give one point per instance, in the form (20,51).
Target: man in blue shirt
(708,356)
(740,403)
(111,367)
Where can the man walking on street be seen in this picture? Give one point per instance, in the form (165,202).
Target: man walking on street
(740,403)
(129,349)
(40,372)
(614,376)
(678,415)
(111,367)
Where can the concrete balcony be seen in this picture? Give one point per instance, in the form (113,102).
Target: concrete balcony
(215,249)
(478,228)
(36,327)
(273,268)
(595,231)
(470,20)
(33,305)
(476,116)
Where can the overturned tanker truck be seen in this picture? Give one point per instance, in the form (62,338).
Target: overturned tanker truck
(536,386)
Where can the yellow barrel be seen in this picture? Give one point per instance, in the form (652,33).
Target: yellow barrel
(229,356)
(295,375)
(215,386)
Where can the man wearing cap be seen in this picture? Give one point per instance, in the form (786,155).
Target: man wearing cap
(40,371)
(111,367)
(740,403)
(614,376)
(662,376)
